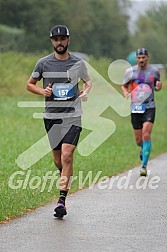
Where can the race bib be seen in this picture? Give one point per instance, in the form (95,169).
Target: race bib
(138,108)
(62,91)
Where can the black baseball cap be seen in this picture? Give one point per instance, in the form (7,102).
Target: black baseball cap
(59,30)
(141,51)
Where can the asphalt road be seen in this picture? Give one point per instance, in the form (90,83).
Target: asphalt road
(109,219)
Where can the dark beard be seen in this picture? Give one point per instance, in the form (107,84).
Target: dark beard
(62,51)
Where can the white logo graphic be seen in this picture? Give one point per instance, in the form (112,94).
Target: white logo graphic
(22,179)
(102,96)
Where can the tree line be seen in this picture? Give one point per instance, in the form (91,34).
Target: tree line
(97,27)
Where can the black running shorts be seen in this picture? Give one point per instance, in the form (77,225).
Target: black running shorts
(63,131)
(138,119)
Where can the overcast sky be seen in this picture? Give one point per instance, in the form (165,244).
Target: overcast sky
(139,7)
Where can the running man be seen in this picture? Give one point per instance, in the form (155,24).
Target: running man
(140,82)
(61,72)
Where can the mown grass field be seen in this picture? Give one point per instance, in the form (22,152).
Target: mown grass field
(19,130)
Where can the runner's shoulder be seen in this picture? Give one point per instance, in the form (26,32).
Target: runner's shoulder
(46,58)
(76,58)
(153,68)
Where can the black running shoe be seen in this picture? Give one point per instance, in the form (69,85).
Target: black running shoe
(60,210)
(143,171)
(59,171)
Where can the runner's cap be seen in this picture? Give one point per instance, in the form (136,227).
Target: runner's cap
(141,51)
(59,30)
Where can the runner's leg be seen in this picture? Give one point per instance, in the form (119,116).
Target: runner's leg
(147,145)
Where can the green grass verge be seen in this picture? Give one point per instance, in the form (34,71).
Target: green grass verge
(19,131)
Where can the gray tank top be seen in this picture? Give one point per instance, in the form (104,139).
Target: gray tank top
(142,86)
(64,76)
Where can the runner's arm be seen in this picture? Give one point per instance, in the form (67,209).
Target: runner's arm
(86,88)
(125,90)
(33,88)
(158,85)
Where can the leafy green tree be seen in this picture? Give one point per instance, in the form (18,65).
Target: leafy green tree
(11,38)
(100,27)
(97,27)
(151,33)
